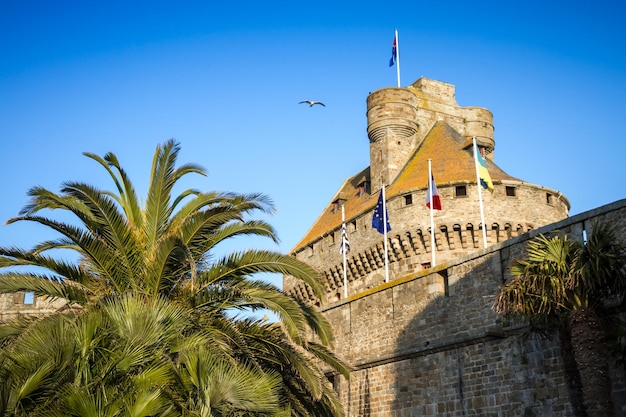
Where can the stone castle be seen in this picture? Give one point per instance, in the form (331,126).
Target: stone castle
(423,339)
(406,128)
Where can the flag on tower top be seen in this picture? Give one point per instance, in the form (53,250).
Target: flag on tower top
(432,189)
(394,52)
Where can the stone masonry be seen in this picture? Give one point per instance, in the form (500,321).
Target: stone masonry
(430,344)
(426,341)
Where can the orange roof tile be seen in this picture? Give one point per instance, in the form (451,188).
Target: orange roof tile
(452,162)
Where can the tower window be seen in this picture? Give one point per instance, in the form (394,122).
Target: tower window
(337,204)
(408,199)
(510,191)
(353,223)
(364,188)
(460,191)
(549,198)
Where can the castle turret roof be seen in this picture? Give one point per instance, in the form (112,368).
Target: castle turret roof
(452,163)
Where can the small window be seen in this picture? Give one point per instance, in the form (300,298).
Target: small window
(510,191)
(29,298)
(311,250)
(353,223)
(408,199)
(426,265)
(331,238)
(549,198)
(460,191)
(364,188)
(337,204)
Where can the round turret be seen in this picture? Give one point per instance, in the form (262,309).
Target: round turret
(391,110)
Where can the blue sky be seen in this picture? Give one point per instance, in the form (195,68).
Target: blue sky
(225,79)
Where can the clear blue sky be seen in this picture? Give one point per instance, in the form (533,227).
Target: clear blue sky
(225,78)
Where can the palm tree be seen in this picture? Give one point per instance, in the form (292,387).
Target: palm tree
(566,285)
(130,356)
(165,249)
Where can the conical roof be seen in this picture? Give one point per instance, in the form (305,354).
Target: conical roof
(452,162)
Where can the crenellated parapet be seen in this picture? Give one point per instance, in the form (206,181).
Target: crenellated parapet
(514,208)
(408,251)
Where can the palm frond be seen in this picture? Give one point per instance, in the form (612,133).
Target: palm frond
(44,286)
(127,195)
(163,177)
(248,263)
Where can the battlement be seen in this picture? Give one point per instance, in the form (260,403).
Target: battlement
(458,231)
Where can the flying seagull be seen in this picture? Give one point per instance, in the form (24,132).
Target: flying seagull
(311,103)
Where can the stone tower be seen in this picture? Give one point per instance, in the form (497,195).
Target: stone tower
(398,119)
(407,127)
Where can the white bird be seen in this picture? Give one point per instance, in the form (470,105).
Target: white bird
(311,103)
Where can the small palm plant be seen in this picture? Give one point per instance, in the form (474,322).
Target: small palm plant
(565,285)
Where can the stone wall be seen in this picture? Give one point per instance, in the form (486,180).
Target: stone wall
(12,305)
(409,241)
(430,344)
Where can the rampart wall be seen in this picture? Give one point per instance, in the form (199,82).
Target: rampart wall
(430,344)
(20,303)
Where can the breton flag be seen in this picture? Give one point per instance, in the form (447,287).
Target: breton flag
(378,222)
(432,190)
(345,245)
(394,51)
(485,178)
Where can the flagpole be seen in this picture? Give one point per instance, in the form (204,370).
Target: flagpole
(398,57)
(432,218)
(385,235)
(343,245)
(480,193)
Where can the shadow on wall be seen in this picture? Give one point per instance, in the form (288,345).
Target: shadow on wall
(457,358)
(431,344)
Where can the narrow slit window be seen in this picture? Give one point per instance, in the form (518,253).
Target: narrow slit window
(408,199)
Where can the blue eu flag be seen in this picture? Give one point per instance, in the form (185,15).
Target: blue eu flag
(377,220)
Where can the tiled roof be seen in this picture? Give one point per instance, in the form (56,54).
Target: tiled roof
(452,162)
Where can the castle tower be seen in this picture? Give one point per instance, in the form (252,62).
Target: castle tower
(406,128)
(398,119)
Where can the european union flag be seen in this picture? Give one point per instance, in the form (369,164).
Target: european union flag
(377,220)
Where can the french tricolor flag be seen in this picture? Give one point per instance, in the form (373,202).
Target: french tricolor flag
(432,190)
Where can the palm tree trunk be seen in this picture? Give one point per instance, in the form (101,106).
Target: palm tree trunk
(590,351)
(572,375)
